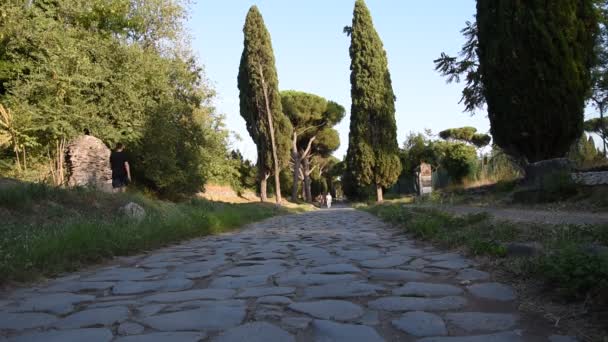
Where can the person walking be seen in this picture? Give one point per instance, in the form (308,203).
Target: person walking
(328,200)
(121,172)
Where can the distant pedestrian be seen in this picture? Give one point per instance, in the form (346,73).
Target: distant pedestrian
(328,200)
(121,172)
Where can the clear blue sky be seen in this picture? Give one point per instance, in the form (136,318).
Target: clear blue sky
(312,55)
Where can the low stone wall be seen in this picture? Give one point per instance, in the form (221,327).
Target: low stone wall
(591,178)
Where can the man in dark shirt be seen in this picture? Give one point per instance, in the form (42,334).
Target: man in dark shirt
(121,173)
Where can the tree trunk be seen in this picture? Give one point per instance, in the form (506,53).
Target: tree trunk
(296,168)
(306,167)
(379,196)
(277,170)
(263,192)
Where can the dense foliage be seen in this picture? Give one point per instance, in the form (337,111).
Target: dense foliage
(535,105)
(535,59)
(260,101)
(373,151)
(119,69)
(466,134)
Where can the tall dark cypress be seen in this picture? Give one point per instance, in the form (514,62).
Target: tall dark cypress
(372,157)
(260,102)
(535,58)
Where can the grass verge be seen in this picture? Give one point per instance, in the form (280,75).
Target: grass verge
(46,231)
(571,268)
(566,260)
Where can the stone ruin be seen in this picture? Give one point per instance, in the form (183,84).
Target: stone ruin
(88,163)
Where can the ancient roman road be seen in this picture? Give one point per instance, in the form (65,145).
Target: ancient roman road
(328,275)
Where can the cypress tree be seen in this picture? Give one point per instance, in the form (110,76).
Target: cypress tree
(260,102)
(373,152)
(534,60)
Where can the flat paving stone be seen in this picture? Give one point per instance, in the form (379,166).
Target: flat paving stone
(510,336)
(238,282)
(336,291)
(255,332)
(209,318)
(275,300)
(325,331)
(471,274)
(562,338)
(454,264)
(266,291)
(416,289)
(137,287)
(296,322)
(22,321)
(257,270)
(78,335)
(93,317)
(183,296)
(329,309)
(481,321)
(396,275)
(387,262)
(130,328)
(303,280)
(77,286)
(335,269)
(420,324)
(125,273)
(165,337)
(418,304)
(58,303)
(492,291)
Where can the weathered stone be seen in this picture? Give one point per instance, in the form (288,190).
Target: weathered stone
(87,159)
(238,282)
(472,275)
(22,321)
(443,257)
(418,304)
(164,337)
(265,291)
(421,324)
(133,211)
(255,332)
(427,290)
(274,300)
(256,270)
(369,318)
(396,275)
(453,264)
(209,318)
(391,261)
(303,280)
(560,338)
(481,321)
(77,286)
(336,332)
(510,336)
(493,291)
(59,303)
(334,269)
(183,296)
(150,309)
(78,335)
(94,317)
(329,309)
(130,328)
(136,287)
(296,322)
(125,273)
(361,255)
(354,289)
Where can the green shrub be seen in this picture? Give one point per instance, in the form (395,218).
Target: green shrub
(575,272)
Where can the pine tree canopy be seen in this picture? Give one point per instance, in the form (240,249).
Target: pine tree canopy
(372,156)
